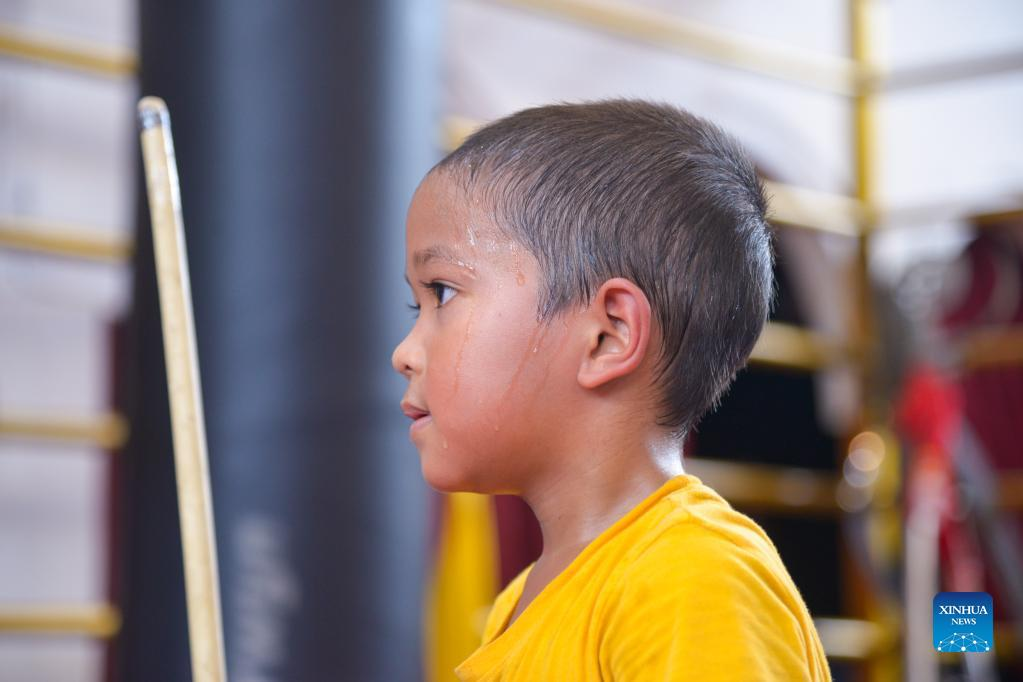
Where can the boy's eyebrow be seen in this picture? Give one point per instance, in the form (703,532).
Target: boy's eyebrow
(436,252)
(444,253)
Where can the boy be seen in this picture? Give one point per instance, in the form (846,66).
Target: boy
(588,280)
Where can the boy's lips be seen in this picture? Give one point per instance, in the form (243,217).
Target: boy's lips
(412,410)
(418,415)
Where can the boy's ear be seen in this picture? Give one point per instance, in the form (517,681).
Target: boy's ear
(618,329)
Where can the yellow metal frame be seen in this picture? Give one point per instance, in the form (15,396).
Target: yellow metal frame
(94,60)
(823,72)
(66,241)
(762,487)
(792,347)
(855,640)
(107,432)
(866,25)
(652,27)
(101,621)
(992,347)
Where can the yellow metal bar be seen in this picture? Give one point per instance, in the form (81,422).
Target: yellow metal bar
(107,432)
(996,218)
(61,240)
(1010,491)
(867,28)
(955,70)
(784,490)
(993,347)
(864,27)
(67,54)
(787,346)
(651,27)
(455,129)
(793,206)
(191,462)
(851,639)
(990,211)
(102,621)
(816,70)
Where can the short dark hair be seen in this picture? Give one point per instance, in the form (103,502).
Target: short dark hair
(649,192)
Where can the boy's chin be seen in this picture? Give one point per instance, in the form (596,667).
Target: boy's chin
(447,479)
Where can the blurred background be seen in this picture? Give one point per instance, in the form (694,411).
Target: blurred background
(876,434)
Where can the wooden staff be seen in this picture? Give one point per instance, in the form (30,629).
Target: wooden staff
(195,508)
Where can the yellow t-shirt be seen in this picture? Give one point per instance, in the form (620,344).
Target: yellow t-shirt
(682,587)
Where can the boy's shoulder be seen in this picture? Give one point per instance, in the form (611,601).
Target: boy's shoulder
(707,581)
(698,541)
(695,515)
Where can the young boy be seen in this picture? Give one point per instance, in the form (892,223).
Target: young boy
(588,280)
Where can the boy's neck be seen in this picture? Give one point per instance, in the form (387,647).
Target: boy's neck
(578,503)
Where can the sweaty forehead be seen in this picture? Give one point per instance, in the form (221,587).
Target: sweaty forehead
(444,224)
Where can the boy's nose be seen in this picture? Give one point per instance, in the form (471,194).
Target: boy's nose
(402,359)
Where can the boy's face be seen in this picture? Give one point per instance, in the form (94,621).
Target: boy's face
(478,362)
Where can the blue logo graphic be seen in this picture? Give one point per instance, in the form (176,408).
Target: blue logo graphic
(964,622)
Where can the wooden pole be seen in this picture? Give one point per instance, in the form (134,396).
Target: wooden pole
(195,508)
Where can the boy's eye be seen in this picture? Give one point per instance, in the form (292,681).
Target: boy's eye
(438,289)
(438,292)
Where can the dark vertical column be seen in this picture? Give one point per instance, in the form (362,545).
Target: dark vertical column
(301,130)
